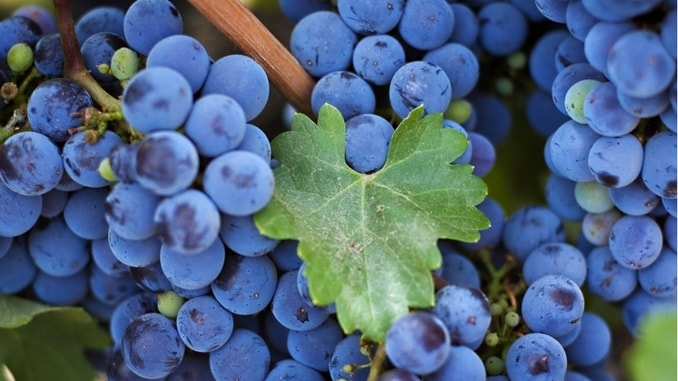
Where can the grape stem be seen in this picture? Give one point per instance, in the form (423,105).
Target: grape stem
(74,69)
(250,35)
(377,363)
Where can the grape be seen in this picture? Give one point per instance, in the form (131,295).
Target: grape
(644,107)
(635,241)
(541,113)
(456,268)
(572,375)
(302,286)
(142,35)
(555,258)
(346,358)
(536,356)
(239,182)
(18,268)
(503,28)
(124,64)
(82,157)
(193,271)
(241,235)
(634,199)
(322,43)
(193,367)
(529,9)
(290,370)
(40,15)
(245,285)
(592,344)
(529,227)
(157,98)
(552,304)
(190,294)
(569,148)
(150,277)
(490,237)
(151,346)
(60,290)
(599,41)
(627,9)
(295,10)
(54,105)
(285,257)
(669,205)
(109,289)
(426,24)
(659,168)
(275,334)
(371,17)
(418,342)
(575,97)
(568,77)
(5,244)
(670,232)
(417,83)
(465,157)
(20,57)
(117,369)
(579,20)
(465,311)
(346,91)
(368,137)
(84,213)
(290,309)
(203,324)
(561,200)
(216,124)
(187,222)
(108,19)
(668,33)
(30,164)
(53,203)
(245,356)
(376,58)
(98,49)
(18,212)
(462,364)
(659,279)
(459,64)
(554,10)
(313,348)
(255,141)
(128,309)
(129,212)
(56,250)
(606,163)
(570,51)
(17,29)
(398,375)
(542,66)
(194,63)
(466,25)
(640,304)
(49,56)
(593,197)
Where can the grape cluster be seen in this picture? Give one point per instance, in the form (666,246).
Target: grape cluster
(144,215)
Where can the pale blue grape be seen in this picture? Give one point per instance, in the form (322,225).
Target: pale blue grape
(103,258)
(426,24)
(542,66)
(203,324)
(245,356)
(569,148)
(290,309)
(503,28)
(245,285)
(376,58)
(465,311)
(462,364)
(530,227)
(346,91)
(368,137)
(346,356)
(30,163)
(368,17)
(110,289)
(82,157)
(659,279)
(605,115)
(552,304)
(460,65)
(634,199)
(216,124)
(146,22)
(555,258)
(600,39)
(536,356)
(107,19)
(466,25)
(194,63)
(314,347)
(54,107)
(417,83)
(84,213)
(561,200)
(635,241)
(240,234)
(193,271)
(659,166)
(578,19)
(129,211)
(418,342)
(56,250)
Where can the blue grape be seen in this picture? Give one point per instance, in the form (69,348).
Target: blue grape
(426,24)
(460,65)
(291,310)
(30,163)
(141,252)
(667,33)
(157,98)
(313,348)
(5,244)
(579,20)
(103,258)
(626,9)
(368,137)
(193,367)
(659,168)
(490,237)
(555,258)
(503,28)
(600,39)
(255,141)
(295,10)
(84,213)
(245,356)
(659,279)
(275,334)
(398,375)
(466,25)
(568,77)
(616,161)
(109,19)
(530,227)
(536,356)
(561,200)
(142,35)
(40,15)
(542,114)
(97,50)
(109,289)
(322,43)
(371,17)
(56,250)
(635,241)
(376,58)
(241,235)
(193,271)
(668,118)
(82,157)
(151,346)
(190,294)
(640,305)
(239,182)
(187,222)
(129,211)
(117,370)
(18,29)
(49,56)
(462,364)
(18,268)
(542,66)
(669,205)
(346,91)
(569,337)
(66,184)
(634,199)
(60,290)
(19,213)
(569,148)
(304,291)
(216,124)
(418,342)
(670,232)
(194,63)
(53,203)
(54,106)
(166,162)
(465,157)
(465,311)
(245,285)
(570,51)
(645,107)
(596,226)
(456,268)
(554,10)
(150,277)
(604,114)
(552,304)
(203,324)
(285,257)
(417,83)
(346,359)
(493,119)
(291,370)
(592,344)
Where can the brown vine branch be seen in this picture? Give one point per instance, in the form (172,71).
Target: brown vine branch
(240,26)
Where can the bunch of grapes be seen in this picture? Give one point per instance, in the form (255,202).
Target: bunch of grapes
(130,172)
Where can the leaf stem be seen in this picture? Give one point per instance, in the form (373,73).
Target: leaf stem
(250,35)
(74,69)
(377,362)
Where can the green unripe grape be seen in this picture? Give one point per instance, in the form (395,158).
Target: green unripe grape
(517,61)
(575,97)
(459,111)
(496,309)
(593,197)
(512,319)
(494,365)
(124,64)
(20,57)
(106,171)
(491,339)
(504,86)
(169,303)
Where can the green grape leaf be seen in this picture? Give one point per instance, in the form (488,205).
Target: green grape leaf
(370,240)
(39,342)
(653,355)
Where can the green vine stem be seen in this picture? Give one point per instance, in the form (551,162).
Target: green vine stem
(377,363)
(245,30)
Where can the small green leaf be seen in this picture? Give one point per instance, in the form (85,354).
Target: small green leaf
(39,342)
(653,354)
(370,240)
